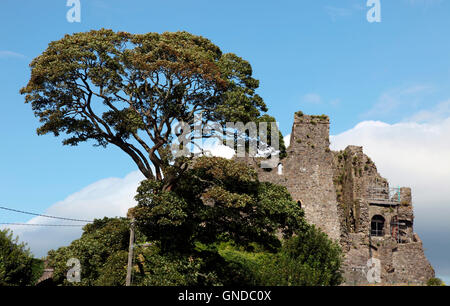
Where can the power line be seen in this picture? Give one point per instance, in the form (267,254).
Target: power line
(30,224)
(46,216)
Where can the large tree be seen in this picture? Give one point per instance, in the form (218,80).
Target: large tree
(130,89)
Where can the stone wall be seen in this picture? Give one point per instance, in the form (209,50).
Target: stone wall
(399,249)
(333,189)
(308,173)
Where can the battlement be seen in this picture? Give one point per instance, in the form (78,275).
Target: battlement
(300,117)
(310,133)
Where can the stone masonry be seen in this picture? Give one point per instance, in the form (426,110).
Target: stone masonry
(343,194)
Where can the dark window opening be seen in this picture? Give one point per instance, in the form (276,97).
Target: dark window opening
(299,204)
(377,226)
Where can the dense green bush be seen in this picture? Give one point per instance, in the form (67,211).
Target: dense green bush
(16,262)
(216,199)
(434,281)
(154,268)
(309,259)
(101,250)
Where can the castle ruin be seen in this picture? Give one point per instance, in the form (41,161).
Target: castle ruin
(343,194)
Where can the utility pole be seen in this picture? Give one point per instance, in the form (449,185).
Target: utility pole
(130,255)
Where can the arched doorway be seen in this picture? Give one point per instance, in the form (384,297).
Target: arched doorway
(377,226)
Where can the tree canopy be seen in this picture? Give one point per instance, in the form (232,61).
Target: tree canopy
(129,89)
(217,199)
(218,226)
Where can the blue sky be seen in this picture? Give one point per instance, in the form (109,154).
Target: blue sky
(319,56)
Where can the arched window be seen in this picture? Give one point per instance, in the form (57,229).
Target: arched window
(377,226)
(299,204)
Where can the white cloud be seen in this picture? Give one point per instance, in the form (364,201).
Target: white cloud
(340,12)
(406,98)
(316,99)
(438,112)
(109,197)
(312,98)
(10,54)
(337,12)
(424,2)
(287,140)
(335,102)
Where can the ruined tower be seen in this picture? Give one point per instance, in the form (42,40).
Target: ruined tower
(307,172)
(376,222)
(344,195)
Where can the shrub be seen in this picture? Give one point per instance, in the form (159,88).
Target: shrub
(309,259)
(434,281)
(101,250)
(16,262)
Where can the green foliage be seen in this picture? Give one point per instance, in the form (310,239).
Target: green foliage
(309,259)
(246,264)
(322,256)
(227,222)
(155,268)
(320,117)
(216,198)
(116,87)
(101,251)
(168,271)
(37,268)
(16,263)
(113,272)
(218,226)
(103,254)
(434,281)
(345,155)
